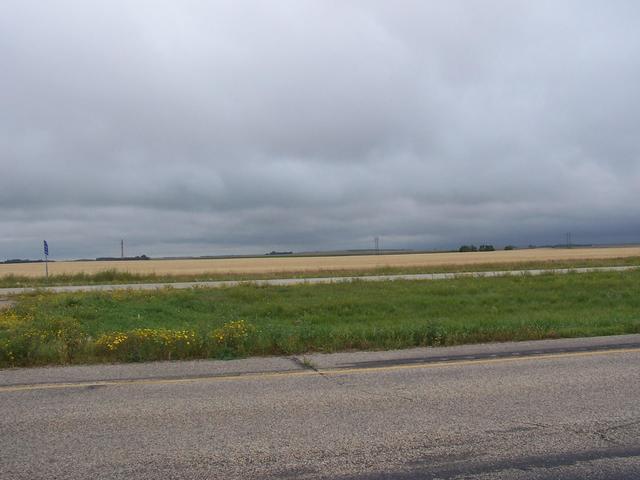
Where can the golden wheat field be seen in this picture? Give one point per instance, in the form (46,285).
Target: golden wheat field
(267,265)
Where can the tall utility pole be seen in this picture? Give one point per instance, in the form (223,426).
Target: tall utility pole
(568,239)
(376,243)
(121,248)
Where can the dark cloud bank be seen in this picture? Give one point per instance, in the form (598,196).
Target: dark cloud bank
(199,127)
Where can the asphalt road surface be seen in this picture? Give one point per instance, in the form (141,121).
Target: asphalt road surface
(538,410)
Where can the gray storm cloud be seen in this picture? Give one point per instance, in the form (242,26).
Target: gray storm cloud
(217,127)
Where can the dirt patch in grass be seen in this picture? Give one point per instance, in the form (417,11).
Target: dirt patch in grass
(5,303)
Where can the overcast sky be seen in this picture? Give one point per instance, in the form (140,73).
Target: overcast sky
(202,127)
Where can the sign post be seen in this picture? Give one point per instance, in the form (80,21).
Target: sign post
(46,259)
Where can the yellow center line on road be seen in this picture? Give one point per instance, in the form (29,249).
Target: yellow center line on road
(307,373)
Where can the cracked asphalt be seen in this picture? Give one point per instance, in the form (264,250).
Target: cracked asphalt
(569,414)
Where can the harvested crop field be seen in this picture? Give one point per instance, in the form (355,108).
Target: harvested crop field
(266,265)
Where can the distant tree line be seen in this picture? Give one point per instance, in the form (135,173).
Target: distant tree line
(482,248)
(21,260)
(473,248)
(111,259)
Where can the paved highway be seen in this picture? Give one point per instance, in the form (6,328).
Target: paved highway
(538,410)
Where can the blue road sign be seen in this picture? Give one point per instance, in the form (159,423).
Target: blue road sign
(46,249)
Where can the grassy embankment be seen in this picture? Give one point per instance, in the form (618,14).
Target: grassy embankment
(112,276)
(46,328)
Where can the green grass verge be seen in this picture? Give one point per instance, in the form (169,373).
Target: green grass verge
(112,276)
(45,328)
